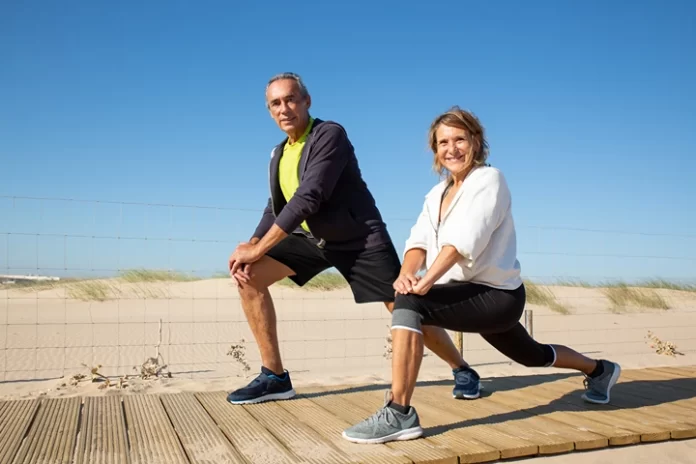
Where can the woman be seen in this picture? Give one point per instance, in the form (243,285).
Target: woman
(465,240)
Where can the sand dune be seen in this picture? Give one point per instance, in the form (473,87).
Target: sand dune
(52,332)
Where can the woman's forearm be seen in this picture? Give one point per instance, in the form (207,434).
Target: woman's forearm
(413,261)
(448,257)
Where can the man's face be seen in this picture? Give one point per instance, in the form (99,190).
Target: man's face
(289,109)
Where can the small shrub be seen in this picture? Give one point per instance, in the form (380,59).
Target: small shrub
(542,296)
(622,296)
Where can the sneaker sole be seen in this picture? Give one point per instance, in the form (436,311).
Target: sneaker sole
(272,397)
(461,396)
(612,381)
(408,434)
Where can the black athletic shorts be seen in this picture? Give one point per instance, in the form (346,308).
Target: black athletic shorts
(370,272)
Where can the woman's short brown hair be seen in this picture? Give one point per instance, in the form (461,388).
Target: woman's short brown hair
(461,119)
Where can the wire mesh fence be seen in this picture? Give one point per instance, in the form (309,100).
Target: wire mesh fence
(112,284)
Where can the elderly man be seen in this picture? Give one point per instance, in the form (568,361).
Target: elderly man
(320,215)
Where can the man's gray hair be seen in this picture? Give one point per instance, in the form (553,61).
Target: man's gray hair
(292,76)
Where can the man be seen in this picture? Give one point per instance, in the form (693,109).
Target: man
(320,215)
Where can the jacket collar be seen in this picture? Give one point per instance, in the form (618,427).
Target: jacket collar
(434,199)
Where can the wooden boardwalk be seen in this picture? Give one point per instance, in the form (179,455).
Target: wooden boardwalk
(516,417)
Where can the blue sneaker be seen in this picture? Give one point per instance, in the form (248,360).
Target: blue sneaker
(599,388)
(466,384)
(266,387)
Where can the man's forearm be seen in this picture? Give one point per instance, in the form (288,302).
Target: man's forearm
(448,257)
(274,235)
(413,261)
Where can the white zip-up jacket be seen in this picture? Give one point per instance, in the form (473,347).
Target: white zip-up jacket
(479,224)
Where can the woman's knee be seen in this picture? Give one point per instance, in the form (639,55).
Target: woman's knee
(408,301)
(542,356)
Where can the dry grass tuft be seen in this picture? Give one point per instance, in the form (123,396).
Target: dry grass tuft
(238,353)
(622,296)
(542,296)
(388,344)
(660,347)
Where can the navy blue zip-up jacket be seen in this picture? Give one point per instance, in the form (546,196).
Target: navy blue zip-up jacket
(332,196)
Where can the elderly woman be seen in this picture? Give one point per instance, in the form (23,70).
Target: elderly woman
(465,241)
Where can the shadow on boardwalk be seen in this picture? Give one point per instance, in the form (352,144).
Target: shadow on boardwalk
(626,395)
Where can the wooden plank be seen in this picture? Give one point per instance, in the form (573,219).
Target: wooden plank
(686,371)
(103,432)
(510,424)
(15,419)
(637,404)
(632,410)
(151,434)
(580,437)
(464,433)
(201,438)
(570,414)
(249,437)
(330,428)
(606,414)
(52,435)
(678,389)
(676,372)
(659,398)
(424,450)
(296,436)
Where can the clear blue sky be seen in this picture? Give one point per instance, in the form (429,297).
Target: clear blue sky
(589,109)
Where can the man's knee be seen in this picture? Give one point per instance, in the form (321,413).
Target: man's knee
(262,274)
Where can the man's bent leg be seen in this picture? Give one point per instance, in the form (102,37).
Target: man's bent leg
(260,311)
(273,383)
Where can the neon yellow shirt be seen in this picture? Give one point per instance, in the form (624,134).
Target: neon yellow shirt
(288,170)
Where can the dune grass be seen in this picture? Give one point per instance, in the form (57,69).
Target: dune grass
(148,275)
(621,296)
(326,281)
(668,285)
(542,296)
(648,283)
(87,290)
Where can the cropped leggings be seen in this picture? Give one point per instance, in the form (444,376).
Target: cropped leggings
(475,308)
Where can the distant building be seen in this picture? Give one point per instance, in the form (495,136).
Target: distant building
(11,279)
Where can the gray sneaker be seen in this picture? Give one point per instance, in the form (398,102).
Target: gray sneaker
(385,425)
(599,388)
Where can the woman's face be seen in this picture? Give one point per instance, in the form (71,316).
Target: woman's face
(453,148)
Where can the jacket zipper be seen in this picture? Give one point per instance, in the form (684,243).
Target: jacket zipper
(322,243)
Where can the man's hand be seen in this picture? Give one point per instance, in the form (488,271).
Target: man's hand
(245,253)
(405,282)
(243,275)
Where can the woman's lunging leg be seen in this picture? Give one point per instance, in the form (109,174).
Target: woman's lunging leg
(518,345)
(407,355)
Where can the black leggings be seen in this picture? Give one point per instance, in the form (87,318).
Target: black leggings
(475,308)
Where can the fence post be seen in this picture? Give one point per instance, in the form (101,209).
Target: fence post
(529,321)
(459,342)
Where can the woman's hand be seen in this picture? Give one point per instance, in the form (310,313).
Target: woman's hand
(422,287)
(405,282)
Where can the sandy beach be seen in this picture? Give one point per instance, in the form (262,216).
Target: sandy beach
(52,336)
(53,333)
